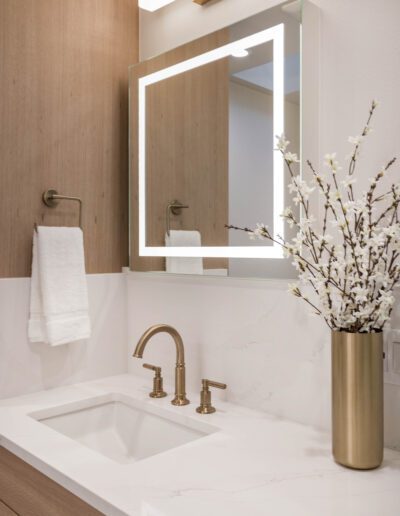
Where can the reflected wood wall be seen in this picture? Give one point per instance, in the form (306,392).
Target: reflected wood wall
(64,124)
(187,150)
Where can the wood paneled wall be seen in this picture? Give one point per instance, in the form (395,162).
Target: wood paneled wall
(186,150)
(64,124)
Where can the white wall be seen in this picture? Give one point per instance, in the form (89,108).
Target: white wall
(248,333)
(254,336)
(26,367)
(360,53)
(250,172)
(250,161)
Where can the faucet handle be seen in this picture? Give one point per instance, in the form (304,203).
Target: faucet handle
(205,396)
(158,391)
(211,383)
(154,368)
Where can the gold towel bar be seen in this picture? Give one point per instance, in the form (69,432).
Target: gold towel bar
(51,197)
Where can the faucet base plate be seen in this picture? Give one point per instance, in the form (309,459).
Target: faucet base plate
(205,410)
(161,394)
(180,401)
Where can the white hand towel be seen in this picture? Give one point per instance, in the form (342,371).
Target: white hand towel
(59,302)
(183,265)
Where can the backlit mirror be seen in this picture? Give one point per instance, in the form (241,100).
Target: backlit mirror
(203,124)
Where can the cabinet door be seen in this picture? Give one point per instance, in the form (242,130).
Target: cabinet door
(6,511)
(30,493)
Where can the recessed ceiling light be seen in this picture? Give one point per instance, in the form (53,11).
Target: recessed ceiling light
(153,5)
(241,52)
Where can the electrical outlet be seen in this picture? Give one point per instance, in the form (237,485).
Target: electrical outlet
(392,356)
(395,336)
(396,358)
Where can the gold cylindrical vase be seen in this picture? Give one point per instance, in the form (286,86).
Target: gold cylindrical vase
(357,399)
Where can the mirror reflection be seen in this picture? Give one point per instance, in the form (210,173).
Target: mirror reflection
(203,150)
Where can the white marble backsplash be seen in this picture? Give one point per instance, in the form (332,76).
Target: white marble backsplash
(26,367)
(251,334)
(264,343)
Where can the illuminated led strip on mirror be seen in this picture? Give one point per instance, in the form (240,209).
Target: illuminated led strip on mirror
(276,35)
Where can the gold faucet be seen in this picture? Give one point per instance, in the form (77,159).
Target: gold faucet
(180,394)
(205,396)
(158,391)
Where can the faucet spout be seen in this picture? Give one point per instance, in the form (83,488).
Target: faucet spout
(161,328)
(180,394)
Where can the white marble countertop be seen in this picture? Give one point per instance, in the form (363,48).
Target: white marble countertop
(255,464)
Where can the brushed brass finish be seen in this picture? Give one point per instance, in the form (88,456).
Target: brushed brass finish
(51,199)
(175,208)
(158,390)
(205,396)
(357,399)
(180,371)
(48,198)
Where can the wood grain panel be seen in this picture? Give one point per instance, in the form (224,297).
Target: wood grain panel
(30,493)
(187,150)
(64,124)
(6,511)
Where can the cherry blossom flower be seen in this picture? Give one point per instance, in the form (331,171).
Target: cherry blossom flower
(353,268)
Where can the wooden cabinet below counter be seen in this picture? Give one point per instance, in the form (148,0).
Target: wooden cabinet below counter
(27,492)
(6,511)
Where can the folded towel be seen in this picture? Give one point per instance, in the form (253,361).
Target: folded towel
(59,311)
(183,265)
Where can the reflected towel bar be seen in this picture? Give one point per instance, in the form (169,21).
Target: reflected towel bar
(175,207)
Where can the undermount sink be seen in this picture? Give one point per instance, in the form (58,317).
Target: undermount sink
(121,428)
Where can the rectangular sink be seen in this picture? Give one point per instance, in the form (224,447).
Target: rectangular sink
(121,428)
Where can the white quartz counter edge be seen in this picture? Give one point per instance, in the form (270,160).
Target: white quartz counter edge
(254,462)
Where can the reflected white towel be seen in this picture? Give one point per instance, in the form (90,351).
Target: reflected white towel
(183,265)
(59,311)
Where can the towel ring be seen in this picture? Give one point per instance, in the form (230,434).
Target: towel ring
(174,207)
(51,199)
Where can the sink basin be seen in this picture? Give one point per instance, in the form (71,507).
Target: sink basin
(121,428)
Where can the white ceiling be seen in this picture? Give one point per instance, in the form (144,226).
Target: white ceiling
(262,75)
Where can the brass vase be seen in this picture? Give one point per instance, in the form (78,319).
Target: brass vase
(357,399)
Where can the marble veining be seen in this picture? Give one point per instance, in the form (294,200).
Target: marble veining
(251,334)
(254,464)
